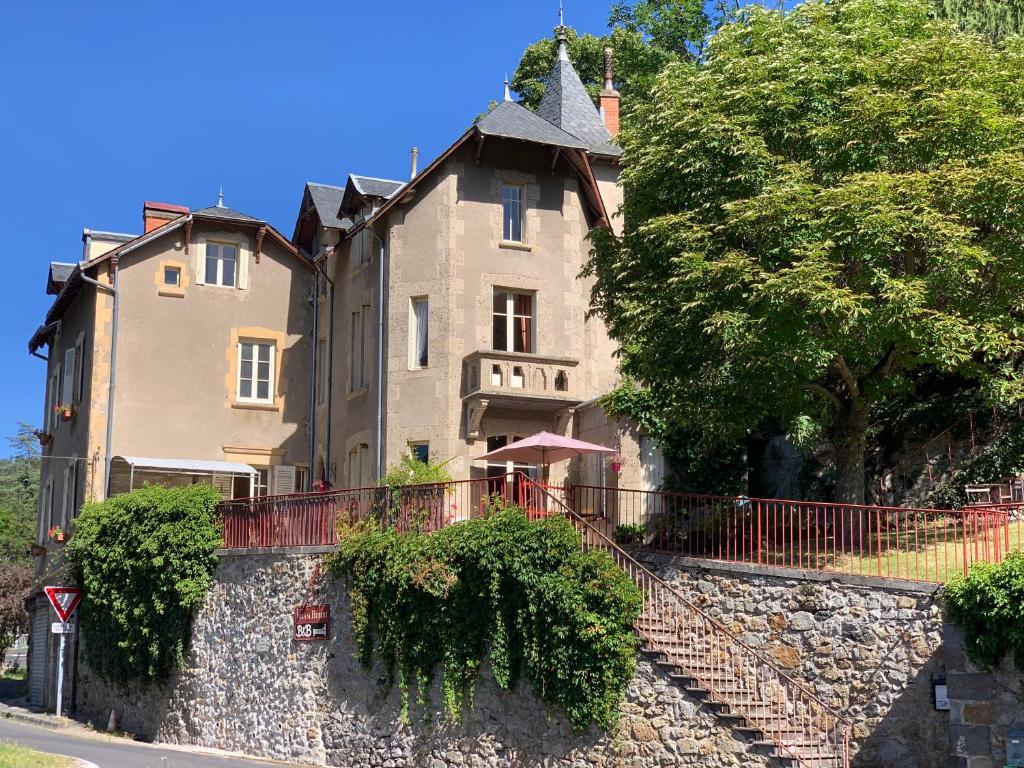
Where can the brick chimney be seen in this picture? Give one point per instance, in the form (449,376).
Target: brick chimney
(157,214)
(609,99)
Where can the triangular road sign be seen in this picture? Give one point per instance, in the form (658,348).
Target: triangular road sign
(64,600)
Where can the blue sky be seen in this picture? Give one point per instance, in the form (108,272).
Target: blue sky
(105,105)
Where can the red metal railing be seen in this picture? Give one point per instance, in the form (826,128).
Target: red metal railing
(314,518)
(891,542)
(802,726)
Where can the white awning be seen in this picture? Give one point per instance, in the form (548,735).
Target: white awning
(189,466)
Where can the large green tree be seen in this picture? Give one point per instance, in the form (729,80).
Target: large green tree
(19,489)
(994,18)
(832,198)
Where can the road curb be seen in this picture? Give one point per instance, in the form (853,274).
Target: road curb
(23,716)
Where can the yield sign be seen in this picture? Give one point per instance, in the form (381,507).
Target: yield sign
(64,600)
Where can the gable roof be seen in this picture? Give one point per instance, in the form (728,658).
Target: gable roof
(213,213)
(567,105)
(510,120)
(221,212)
(58,276)
(327,200)
(374,187)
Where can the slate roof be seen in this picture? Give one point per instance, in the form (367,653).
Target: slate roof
(513,121)
(567,105)
(327,200)
(373,187)
(217,212)
(60,272)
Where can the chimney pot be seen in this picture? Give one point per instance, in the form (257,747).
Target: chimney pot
(609,99)
(415,157)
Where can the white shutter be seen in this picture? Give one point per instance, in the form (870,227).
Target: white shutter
(284,480)
(68,390)
(224,485)
(200,265)
(243,269)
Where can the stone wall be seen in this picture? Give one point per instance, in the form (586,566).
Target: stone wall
(312,702)
(870,649)
(985,705)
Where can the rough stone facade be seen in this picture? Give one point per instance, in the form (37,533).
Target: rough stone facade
(313,702)
(871,651)
(985,706)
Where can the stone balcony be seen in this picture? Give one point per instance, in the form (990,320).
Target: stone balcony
(517,380)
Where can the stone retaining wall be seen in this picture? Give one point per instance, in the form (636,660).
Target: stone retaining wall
(313,703)
(870,649)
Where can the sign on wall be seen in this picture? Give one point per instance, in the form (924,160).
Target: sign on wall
(312,622)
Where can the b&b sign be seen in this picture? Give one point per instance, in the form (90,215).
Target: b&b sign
(312,622)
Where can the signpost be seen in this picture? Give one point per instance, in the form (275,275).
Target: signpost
(64,601)
(312,622)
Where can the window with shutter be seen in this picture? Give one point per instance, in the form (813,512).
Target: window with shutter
(68,390)
(284,480)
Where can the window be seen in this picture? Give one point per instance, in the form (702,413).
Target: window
(261,481)
(172,275)
(361,340)
(512,213)
(79,368)
(255,372)
(359,468)
(321,374)
(51,401)
(366,347)
(420,451)
(354,356)
(499,469)
(513,321)
(419,345)
(300,479)
(221,262)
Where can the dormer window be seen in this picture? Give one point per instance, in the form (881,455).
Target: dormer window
(512,213)
(221,264)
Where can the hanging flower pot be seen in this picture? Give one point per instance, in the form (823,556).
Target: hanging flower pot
(37,550)
(56,533)
(44,437)
(65,411)
(615,461)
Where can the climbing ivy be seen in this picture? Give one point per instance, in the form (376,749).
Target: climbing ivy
(520,592)
(144,561)
(988,605)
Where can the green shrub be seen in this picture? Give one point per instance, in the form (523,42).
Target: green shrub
(988,605)
(144,561)
(522,592)
(629,534)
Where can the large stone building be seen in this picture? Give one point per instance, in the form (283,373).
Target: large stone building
(444,315)
(177,356)
(452,318)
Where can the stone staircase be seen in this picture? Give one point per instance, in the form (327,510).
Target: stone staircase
(777,715)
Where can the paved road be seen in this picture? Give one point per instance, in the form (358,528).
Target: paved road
(115,753)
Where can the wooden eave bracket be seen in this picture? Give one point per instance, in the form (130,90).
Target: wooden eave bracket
(260,234)
(188,234)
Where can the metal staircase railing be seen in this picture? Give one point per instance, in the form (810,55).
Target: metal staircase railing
(750,691)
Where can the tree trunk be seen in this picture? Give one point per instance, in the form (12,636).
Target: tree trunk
(849,444)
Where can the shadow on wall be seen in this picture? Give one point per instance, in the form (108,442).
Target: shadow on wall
(909,731)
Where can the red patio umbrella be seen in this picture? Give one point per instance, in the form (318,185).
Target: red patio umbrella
(544,448)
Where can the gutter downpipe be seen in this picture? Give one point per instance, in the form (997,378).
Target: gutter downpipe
(330,369)
(112,290)
(313,381)
(380,360)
